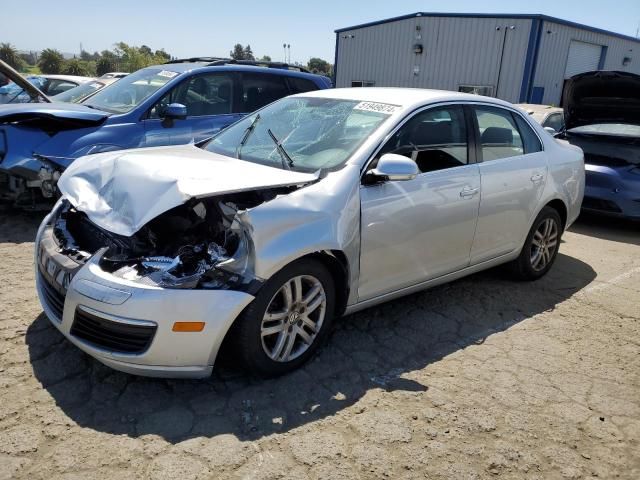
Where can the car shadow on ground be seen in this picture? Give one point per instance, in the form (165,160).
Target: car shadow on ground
(606,228)
(376,348)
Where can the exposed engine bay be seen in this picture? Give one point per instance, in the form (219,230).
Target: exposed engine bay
(199,244)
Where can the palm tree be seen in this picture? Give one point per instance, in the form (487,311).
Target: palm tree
(9,54)
(75,67)
(51,61)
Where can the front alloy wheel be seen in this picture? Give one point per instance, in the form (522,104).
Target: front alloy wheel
(288,320)
(293,318)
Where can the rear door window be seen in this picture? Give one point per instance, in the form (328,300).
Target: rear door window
(260,89)
(499,135)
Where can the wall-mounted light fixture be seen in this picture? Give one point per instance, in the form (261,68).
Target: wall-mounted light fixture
(626,61)
(417,49)
(416,69)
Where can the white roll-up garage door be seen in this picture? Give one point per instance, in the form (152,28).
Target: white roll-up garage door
(583,57)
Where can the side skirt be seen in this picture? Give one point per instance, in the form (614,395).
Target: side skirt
(356,307)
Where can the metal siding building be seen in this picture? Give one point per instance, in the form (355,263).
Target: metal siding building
(519,58)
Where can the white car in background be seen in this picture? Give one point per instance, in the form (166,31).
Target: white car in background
(546,115)
(83,91)
(317,205)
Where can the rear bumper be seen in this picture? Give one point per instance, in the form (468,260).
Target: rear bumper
(607,192)
(90,289)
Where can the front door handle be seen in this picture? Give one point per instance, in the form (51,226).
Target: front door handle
(537,178)
(468,192)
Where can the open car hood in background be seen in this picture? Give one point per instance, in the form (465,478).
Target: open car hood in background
(602,97)
(35,93)
(122,191)
(52,117)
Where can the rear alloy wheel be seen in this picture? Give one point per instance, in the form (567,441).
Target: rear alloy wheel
(288,320)
(544,244)
(541,246)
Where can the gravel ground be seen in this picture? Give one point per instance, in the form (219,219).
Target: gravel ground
(482,378)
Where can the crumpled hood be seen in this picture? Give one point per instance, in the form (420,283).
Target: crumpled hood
(52,116)
(124,190)
(602,97)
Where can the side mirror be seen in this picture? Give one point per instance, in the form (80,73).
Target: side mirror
(550,130)
(395,168)
(175,111)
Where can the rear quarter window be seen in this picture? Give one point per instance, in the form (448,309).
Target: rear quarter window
(301,85)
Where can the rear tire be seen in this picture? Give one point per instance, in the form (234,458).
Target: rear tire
(288,320)
(540,248)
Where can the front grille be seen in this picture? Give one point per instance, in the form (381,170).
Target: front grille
(112,336)
(593,203)
(53,298)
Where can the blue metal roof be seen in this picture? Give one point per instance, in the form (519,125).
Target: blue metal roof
(546,18)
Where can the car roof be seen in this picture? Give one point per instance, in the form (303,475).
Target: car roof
(191,66)
(532,108)
(403,97)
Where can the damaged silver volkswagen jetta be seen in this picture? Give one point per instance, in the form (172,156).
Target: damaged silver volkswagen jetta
(317,205)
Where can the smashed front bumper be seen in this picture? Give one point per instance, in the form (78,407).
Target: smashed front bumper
(126,325)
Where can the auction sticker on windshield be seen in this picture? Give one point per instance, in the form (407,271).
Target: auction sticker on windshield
(385,108)
(167,73)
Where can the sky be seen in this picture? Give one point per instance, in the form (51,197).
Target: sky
(210,28)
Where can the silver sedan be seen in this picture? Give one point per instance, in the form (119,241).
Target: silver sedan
(316,206)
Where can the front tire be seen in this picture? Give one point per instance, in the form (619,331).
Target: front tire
(540,248)
(288,320)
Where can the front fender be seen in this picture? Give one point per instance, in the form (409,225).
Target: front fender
(320,217)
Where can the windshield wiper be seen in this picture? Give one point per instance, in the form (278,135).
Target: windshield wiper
(245,137)
(283,153)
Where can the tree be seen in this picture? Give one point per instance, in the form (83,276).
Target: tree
(105,64)
(51,61)
(163,55)
(266,58)
(29,58)
(248,53)
(237,53)
(145,50)
(9,54)
(318,65)
(76,67)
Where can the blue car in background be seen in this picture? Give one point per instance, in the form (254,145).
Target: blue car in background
(175,103)
(602,116)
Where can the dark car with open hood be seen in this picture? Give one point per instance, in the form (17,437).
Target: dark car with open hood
(602,116)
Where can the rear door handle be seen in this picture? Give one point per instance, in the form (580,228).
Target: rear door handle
(537,178)
(468,192)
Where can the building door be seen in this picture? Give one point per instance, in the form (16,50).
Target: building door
(583,57)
